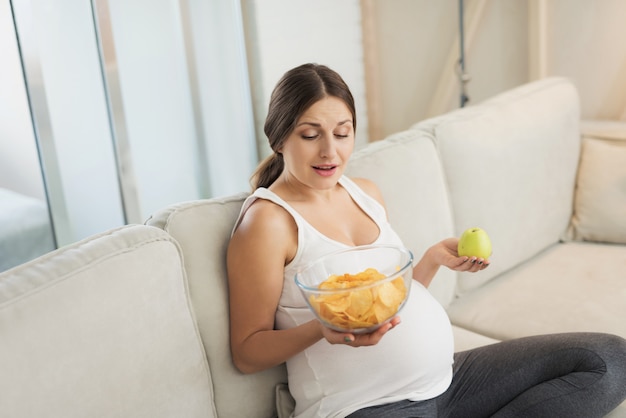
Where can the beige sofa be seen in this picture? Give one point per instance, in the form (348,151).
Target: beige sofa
(134,322)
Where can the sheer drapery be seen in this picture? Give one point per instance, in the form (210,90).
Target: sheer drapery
(135,105)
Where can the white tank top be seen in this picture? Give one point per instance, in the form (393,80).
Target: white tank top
(413,361)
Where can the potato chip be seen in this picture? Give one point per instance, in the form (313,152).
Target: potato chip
(360,302)
(361,308)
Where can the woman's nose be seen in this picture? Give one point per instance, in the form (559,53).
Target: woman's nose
(327,147)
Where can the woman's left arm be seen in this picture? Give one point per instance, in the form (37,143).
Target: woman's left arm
(443,253)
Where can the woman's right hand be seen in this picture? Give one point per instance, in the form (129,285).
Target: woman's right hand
(358,340)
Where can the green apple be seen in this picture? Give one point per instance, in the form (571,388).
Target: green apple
(475,243)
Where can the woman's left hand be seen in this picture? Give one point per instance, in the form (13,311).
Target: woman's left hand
(446,254)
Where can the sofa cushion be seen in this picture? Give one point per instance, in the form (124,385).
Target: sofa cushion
(203,228)
(406,167)
(102,328)
(600,201)
(569,287)
(511,166)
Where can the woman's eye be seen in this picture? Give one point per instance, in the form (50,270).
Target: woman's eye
(342,136)
(309,136)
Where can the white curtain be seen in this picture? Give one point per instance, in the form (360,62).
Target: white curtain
(136,104)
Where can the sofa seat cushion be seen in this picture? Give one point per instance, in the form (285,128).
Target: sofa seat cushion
(465,339)
(569,287)
(102,328)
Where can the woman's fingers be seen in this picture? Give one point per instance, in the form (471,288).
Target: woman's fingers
(474,264)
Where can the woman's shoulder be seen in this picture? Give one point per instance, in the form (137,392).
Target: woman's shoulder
(369,187)
(266,226)
(263,214)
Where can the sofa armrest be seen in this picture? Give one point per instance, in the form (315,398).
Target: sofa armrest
(102,327)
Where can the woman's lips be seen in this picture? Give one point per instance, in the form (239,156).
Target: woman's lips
(325,170)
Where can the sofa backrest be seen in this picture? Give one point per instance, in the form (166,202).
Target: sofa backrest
(510,165)
(203,228)
(102,328)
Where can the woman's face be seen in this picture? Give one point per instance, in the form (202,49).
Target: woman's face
(316,152)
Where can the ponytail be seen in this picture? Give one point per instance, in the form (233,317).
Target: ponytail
(268,171)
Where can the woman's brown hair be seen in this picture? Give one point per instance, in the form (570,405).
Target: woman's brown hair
(297,90)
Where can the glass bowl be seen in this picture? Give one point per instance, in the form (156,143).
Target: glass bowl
(358,289)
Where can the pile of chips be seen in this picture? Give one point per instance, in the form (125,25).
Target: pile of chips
(360,308)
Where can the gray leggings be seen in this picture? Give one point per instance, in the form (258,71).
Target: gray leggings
(560,375)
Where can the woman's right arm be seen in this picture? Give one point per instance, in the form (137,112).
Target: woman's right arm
(264,241)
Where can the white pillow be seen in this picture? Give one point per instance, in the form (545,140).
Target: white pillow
(600,200)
